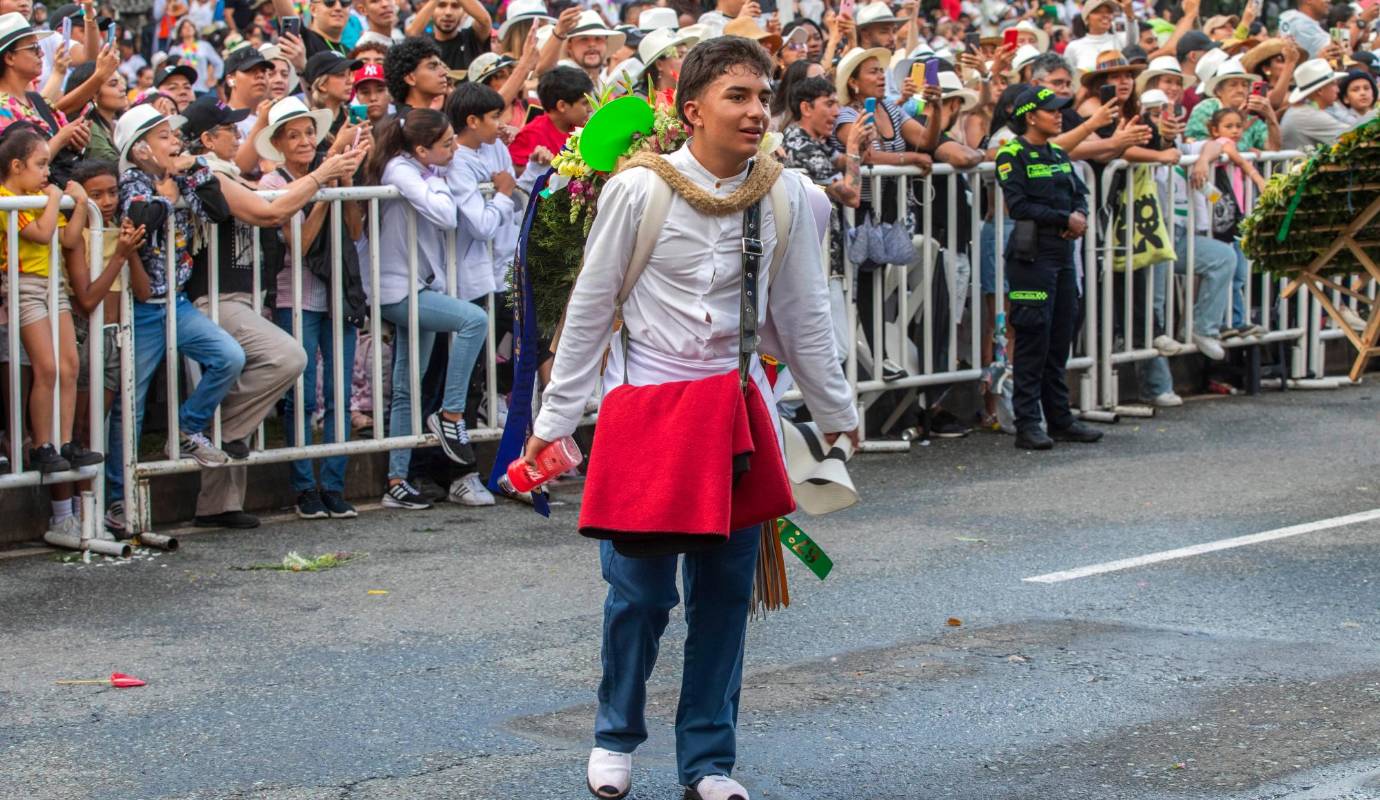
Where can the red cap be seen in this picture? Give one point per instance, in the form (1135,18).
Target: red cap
(369,72)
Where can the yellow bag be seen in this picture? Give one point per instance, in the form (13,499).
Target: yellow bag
(1150,241)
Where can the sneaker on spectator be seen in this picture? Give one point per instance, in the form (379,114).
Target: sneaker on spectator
(115,519)
(4,463)
(66,533)
(198,448)
(227,519)
(402,495)
(45,459)
(237,450)
(1167,345)
(337,506)
(430,490)
(79,456)
(455,440)
(891,371)
(1210,347)
(469,490)
(944,425)
(1166,400)
(309,505)
(1351,318)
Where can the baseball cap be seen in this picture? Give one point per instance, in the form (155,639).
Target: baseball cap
(1193,42)
(328,62)
(206,113)
(170,69)
(370,72)
(1038,97)
(245,59)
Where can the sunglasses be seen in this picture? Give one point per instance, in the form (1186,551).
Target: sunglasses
(333,3)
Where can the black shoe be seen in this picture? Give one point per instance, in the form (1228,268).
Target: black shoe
(79,456)
(4,463)
(402,495)
(1033,439)
(45,459)
(309,505)
(1077,432)
(227,519)
(944,425)
(337,506)
(237,450)
(455,440)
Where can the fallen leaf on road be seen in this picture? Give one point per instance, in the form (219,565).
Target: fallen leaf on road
(968,539)
(954,622)
(377,591)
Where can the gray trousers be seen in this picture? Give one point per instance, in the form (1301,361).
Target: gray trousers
(272,362)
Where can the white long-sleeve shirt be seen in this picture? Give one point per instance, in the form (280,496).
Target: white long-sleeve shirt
(682,315)
(424,191)
(481,221)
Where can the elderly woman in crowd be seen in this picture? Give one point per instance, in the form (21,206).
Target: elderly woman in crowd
(1230,87)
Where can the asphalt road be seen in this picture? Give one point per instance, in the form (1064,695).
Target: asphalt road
(1250,672)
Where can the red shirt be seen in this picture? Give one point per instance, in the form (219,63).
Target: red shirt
(540,132)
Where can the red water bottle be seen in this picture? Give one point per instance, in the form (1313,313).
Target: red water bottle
(555,459)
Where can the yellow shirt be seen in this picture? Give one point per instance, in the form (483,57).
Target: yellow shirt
(110,240)
(33,256)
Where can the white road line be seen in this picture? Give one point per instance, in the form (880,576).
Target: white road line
(1208,547)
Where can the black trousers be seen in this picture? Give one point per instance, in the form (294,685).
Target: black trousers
(1045,311)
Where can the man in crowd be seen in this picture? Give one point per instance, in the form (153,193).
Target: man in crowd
(585,41)
(371,91)
(459,46)
(417,76)
(328,21)
(1307,122)
(247,73)
(381,20)
(176,81)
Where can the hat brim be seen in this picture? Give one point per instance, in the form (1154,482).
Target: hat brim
(1262,52)
(1093,6)
(969,97)
(176,121)
(10,38)
(1151,74)
(818,471)
(616,38)
(1301,93)
(263,140)
(511,21)
(1210,85)
(1131,69)
(680,41)
(181,69)
(850,65)
(504,63)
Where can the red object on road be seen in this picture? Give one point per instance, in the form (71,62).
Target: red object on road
(119,680)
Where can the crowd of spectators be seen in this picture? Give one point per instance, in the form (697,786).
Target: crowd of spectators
(187,113)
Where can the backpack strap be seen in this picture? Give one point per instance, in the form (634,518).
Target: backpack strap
(653,220)
(781,218)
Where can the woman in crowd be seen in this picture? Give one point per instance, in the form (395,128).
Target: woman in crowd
(660,53)
(283,80)
(814,37)
(1274,60)
(110,102)
(198,54)
(412,154)
(1230,87)
(331,84)
(21,64)
(780,99)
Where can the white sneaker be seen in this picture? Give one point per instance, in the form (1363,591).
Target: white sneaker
(1210,347)
(1167,400)
(609,774)
(718,787)
(64,534)
(199,448)
(469,490)
(1351,318)
(1167,345)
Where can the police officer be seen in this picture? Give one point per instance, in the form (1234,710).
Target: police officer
(1048,202)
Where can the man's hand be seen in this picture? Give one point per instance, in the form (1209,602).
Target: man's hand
(1190,9)
(1105,115)
(830,438)
(294,52)
(1261,107)
(932,95)
(504,182)
(568,21)
(540,155)
(1131,133)
(1078,224)
(973,62)
(1198,177)
(908,90)
(1170,157)
(131,238)
(1170,127)
(535,444)
(750,10)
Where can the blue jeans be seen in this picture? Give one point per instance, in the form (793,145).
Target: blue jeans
(198,338)
(436,312)
(988,276)
(1214,263)
(642,592)
(317,335)
(1239,278)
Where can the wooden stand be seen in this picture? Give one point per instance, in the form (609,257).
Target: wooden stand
(1319,286)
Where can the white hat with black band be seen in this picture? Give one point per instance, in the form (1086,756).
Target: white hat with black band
(818,471)
(14,27)
(591,24)
(523,11)
(281,113)
(134,124)
(1310,76)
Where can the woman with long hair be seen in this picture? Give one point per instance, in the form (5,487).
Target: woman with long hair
(198,54)
(781,111)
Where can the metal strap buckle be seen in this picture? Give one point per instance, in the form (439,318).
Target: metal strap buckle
(753,247)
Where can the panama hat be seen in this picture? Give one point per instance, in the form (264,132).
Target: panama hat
(1111,62)
(1219,21)
(1231,68)
(875,13)
(1153,98)
(818,471)
(591,24)
(522,11)
(747,28)
(1161,65)
(483,67)
(658,17)
(1025,56)
(662,41)
(1266,50)
(952,86)
(1041,38)
(850,63)
(1312,75)
(1093,5)
(136,122)
(1206,67)
(283,112)
(14,27)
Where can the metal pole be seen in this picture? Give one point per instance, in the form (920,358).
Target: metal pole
(170,340)
(298,407)
(340,370)
(413,350)
(375,320)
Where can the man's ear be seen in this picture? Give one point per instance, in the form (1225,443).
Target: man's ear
(690,109)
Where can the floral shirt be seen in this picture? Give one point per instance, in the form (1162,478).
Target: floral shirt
(1257,134)
(14,109)
(138,186)
(816,158)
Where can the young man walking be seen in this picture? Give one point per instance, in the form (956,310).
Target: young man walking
(682,320)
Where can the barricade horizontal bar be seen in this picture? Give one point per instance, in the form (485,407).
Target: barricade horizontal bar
(36,478)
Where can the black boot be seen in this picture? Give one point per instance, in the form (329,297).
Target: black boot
(1077,432)
(1033,439)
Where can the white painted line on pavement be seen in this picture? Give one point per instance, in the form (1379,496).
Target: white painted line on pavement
(1208,547)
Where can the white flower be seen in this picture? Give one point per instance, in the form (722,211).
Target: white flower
(770,142)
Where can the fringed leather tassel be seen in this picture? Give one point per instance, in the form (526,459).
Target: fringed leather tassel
(769,589)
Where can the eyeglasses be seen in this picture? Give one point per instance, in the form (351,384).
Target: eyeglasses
(33,48)
(332,3)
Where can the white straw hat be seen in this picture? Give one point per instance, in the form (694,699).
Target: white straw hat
(850,63)
(522,11)
(283,112)
(818,472)
(658,17)
(136,122)
(1311,76)
(1161,65)
(591,24)
(952,86)
(1231,68)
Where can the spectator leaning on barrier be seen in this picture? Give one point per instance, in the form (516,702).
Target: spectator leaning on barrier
(157,175)
(808,143)
(1307,122)
(293,138)
(1226,129)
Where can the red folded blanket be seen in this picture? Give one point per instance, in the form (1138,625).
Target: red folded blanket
(663,462)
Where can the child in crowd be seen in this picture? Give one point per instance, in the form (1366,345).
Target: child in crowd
(413,153)
(564,93)
(24,171)
(1226,127)
(476,112)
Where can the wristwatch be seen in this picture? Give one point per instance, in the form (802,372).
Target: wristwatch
(201,162)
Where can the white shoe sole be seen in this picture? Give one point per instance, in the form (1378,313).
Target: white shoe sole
(391,502)
(471,501)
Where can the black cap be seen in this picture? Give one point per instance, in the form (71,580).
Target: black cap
(328,62)
(73,10)
(206,113)
(245,59)
(167,71)
(1192,42)
(79,74)
(1366,58)
(1038,97)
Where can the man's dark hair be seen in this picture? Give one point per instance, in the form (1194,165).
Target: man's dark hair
(403,59)
(472,99)
(808,91)
(708,60)
(84,171)
(563,83)
(371,46)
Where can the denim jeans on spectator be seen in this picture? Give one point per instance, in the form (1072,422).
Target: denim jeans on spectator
(199,339)
(318,336)
(1214,263)
(989,254)
(1239,279)
(436,312)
